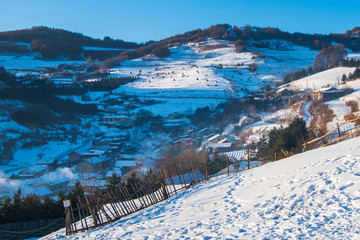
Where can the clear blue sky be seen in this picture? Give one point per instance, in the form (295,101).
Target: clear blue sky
(143,20)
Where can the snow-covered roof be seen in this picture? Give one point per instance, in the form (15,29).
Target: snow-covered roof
(117,117)
(329,90)
(92,152)
(42,191)
(121,164)
(110,173)
(95,160)
(127,156)
(36,168)
(213,137)
(219,145)
(48,161)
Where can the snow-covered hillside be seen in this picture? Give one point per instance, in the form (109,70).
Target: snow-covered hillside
(195,77)
(328,78)
(314,195)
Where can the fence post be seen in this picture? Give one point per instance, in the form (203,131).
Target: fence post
(227,165)
(339,133)
(248,158)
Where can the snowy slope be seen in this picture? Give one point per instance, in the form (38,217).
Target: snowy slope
(314,195)
(328,78)
(192,77)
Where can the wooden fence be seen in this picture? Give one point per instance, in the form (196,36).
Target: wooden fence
(98,209)
(334,136)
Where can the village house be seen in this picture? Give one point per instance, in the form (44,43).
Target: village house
(327,94)
(89,181)
(213,139)
(53,184)
(185,144)
(204,133)
(93,165)
(219,147)
(51,164)
(43,191)
(31,172)
(115,109)
(174,115)
(127,120)
(283,92)
(78,156)
(124,166)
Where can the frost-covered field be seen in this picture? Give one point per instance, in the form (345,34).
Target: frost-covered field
(314,195)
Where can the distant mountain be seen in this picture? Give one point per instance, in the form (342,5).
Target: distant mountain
(53,34)
(244,36)
(55,43)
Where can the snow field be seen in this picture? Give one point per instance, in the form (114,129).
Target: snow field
(328,78)
(314,195)
(218,73)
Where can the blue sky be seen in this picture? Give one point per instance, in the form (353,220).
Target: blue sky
(143,20)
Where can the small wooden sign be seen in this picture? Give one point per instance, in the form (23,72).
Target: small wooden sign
(66,203)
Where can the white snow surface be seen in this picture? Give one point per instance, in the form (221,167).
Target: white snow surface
(191,78)
(313,195)
(328,78)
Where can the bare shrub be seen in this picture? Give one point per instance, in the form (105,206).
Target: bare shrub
(353,105)
(258,54)
(253,67)
(244,136)
(183,162)
(211,47)
(285,120)
(161,52)
(240,46)
(322,115)
(351,116)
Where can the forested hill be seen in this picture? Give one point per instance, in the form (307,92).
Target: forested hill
(53,43)
(56,35)
(243,38)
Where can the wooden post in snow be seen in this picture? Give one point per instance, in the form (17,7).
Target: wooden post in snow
(227,165)
(248,158)
(338,128)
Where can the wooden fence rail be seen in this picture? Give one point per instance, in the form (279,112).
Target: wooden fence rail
(330,137)
(98,209)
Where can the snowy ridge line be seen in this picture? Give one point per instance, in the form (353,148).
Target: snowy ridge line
(99,209)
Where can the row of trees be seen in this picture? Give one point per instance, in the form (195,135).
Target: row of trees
(53,35)
(330,57)
(33,207)
(43,106)
(54,49)
(28,208)
(282,141)
(9,47)
(108,83)
(354,75)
